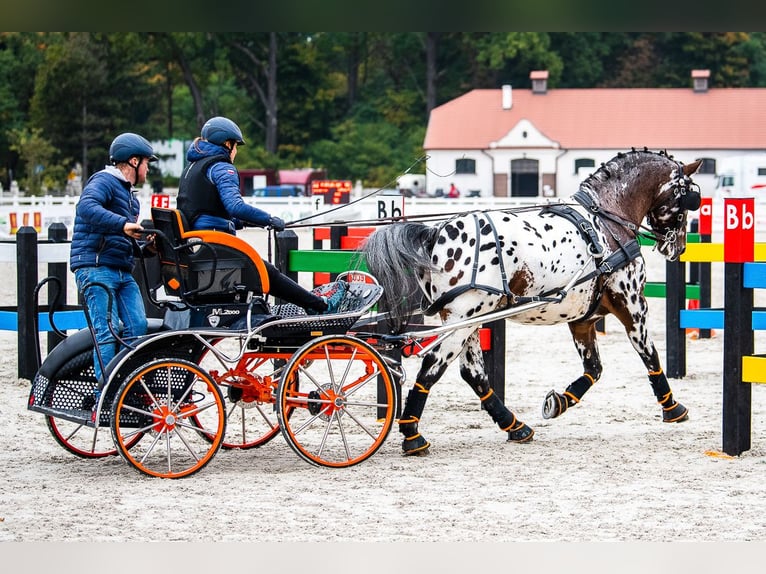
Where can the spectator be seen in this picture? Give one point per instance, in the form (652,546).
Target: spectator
(453,191)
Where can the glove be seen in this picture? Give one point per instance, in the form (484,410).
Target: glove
(276,223)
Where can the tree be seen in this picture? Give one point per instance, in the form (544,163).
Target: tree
(19,59)
(254,57)
(89,88)
(36,153)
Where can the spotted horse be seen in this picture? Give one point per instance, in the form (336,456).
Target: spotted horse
(572,261)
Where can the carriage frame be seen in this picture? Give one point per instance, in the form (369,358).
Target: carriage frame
(223,368)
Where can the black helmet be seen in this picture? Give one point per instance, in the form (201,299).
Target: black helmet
(218,130)
(127,145)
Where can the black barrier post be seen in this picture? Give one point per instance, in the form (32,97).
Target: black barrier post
(737,343)
(286,241)
(705,287)
(675,336)
(26,281)
(336,233)
(494,358)
(57,233)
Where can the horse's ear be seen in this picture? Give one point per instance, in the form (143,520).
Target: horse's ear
(692,167)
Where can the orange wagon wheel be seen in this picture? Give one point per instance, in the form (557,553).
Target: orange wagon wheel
(341,400)
(248,389)
(180,411)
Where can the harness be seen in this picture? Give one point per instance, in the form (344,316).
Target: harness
(626,253)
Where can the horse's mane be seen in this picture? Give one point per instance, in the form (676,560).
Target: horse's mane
(619,164)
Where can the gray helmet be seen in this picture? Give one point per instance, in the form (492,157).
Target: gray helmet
(219,130)
(127,145)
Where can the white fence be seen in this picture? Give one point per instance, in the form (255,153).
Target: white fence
(41,212)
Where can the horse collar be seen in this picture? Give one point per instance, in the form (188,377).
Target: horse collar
(588,203)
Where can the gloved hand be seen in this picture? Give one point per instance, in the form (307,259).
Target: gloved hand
(276,223)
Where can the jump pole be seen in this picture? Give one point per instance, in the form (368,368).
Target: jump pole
(739,248)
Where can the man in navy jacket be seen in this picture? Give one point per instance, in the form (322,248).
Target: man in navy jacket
(104,244)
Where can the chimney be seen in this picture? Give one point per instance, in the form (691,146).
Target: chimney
(700,79)
(539,81)
(507,97)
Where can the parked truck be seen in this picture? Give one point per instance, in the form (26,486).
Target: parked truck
(742,176)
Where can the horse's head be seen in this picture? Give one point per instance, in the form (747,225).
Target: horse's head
(667,215)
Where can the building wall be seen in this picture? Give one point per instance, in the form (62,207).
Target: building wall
(556,168)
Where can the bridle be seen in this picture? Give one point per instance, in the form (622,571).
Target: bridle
(686,197)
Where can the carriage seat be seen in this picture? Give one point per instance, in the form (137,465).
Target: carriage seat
(206,267)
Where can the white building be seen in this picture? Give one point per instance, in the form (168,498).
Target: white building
(540,142)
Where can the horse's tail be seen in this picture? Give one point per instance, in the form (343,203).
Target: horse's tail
(396,256)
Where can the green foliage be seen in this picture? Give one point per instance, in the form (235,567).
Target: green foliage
(36,154)
(375,153)
(353,103)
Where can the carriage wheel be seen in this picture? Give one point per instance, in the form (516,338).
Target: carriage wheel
(248,389)
(82,440)
(179,407)
(343,401)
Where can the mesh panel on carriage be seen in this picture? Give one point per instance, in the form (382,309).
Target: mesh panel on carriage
(359,298)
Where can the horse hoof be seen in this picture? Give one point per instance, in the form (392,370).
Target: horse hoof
(522,433)
(554,405)
(416,446)
(677,414)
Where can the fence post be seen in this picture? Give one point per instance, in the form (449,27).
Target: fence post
(57,233)
(26,281)
(705,287)
(336,233)
(737,343)
(494,358)
(286,241)
(675,336)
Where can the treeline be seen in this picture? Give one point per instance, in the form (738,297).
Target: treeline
(355,103)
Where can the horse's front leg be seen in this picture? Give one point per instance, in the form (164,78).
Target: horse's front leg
(638,334)
(474,373)
(584,337)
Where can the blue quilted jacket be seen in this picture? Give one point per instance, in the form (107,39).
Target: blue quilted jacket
(105,205)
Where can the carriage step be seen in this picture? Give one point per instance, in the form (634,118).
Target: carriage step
(81,416)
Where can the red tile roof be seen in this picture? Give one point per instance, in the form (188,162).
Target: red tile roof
(603,118)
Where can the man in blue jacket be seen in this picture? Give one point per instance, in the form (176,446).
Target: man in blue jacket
(209,198)
(104,244)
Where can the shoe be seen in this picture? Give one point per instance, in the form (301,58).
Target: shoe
(333,294)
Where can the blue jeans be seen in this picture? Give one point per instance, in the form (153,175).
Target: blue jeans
(128,312)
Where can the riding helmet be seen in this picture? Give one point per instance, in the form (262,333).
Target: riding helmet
(219,130)
(127,145)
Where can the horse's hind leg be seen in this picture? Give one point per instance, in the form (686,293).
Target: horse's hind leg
(473,372)
(432,368)
(584,336)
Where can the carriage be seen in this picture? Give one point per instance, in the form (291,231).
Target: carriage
(222,368)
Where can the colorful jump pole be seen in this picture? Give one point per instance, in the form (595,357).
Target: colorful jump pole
(739,248)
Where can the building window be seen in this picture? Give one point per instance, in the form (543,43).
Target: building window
(583,163)
(708,166)
(465,165)
(762,171)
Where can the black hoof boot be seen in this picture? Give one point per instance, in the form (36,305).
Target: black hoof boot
(554,405)
(415,446)
(520,433)
(677,413)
